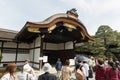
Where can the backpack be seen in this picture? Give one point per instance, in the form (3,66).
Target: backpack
(79,75)
(90,72)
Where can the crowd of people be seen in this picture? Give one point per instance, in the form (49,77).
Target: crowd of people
(84,69)
(108,70)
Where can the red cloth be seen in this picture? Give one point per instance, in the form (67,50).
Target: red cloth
(112,74)
(99,72)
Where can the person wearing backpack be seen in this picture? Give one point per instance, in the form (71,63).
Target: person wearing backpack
(81,68)
(100,70)
(78,72)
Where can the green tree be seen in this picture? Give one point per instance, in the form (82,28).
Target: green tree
(106,42)
(105,34)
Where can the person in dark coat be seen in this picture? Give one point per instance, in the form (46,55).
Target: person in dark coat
(58,67)
(47,75)
(112,72)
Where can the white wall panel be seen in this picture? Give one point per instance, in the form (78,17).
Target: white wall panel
(31,45)
(60,46)
(37,42)
(69,45)
(36,55)
(23,45)
(31,55)
(43,45)
(50,46)
(10,44)
(36,66)
(8,56)
(0,44)
(22,57)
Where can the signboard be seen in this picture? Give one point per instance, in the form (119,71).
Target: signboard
(40,58)
(44,58)
(72,62)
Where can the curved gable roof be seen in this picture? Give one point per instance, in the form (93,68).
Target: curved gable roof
(65,18)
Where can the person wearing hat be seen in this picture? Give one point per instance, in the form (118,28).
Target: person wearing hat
(47,75)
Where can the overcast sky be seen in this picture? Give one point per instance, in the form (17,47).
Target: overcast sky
(92,13)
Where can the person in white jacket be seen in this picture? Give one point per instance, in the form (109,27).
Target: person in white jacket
(86,66)
(9,72)
(27,68)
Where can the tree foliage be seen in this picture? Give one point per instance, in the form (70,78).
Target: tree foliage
(106,41)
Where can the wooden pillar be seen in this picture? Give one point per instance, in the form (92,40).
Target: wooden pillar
(45,45)
(2,48)
(16,52)
(33,53)
(64,46)
(41,51)
(74,49)
(73,45)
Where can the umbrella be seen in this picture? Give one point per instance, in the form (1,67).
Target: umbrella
(81,58)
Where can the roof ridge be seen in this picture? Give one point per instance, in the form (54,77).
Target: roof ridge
(8,30)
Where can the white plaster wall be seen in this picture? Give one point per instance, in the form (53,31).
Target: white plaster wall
(69,45)
(37,52)
(23,45)
(0,44)
(31,55)
(36,66)
(79,44)
(43,45)
(37,42)
(50,46)
(8,56)
(31,45)
(60,46)
(10,44)
(36,57)
(22,57)
(11,57)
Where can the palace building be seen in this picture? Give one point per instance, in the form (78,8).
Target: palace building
(54,37)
